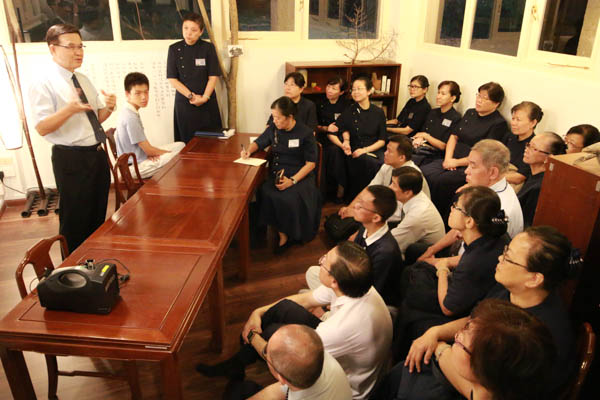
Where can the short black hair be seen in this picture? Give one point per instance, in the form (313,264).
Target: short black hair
(297,77)
(194,17)
(534,112)
(352,269)
(384,200)
(589,132)
(405,146)
(494,91)
(338,80)
(409,179)
(422,79)
(135,78)
(286,106)
(366,79)
(557,144)
(454,89)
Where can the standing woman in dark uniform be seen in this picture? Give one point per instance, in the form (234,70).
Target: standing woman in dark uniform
(193,69)
(482,122)
(360,135)
(430,143)
(291,203)
(411,118)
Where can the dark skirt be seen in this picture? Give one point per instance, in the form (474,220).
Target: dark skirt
(443,184)
(295,211)
(189,119)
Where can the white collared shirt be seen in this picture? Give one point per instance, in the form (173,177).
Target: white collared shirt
(358,333)
(422,223)
(378,234)
(511,206)
(52,92)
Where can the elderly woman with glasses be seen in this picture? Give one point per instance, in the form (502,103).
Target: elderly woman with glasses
(360,136)
(499,352)
(484,121)
(529,273)
(536,156)
(413,115)
(580,136)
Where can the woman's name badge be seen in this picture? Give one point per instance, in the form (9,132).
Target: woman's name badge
(200,62)
(294,143)
(336,116)
(446,122)
(410,115)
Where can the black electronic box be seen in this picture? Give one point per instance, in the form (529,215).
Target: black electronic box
(92,289)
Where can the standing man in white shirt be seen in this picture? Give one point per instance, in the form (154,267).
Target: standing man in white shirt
(357,333)
(67,110)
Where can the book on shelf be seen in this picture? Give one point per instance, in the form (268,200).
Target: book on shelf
(388,85)
(384,81)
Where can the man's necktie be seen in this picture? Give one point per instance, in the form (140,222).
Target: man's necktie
(98,131)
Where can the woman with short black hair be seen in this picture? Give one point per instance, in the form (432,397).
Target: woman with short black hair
(410,120)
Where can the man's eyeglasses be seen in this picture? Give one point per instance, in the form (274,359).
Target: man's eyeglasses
(359,205)
(71,47)
(531,147)
(264,356)
(457,208)
(508,260)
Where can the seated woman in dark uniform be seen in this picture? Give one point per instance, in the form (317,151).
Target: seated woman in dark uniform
(293,85)
(499,352)
(581,136)
(482,122)
(529,273)
(430,143)
(412,116)
(525,117)
(359,136)
(292,203)
(432,295)
(193,70)
(536,156)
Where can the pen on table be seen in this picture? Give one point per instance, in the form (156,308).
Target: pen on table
(243,148)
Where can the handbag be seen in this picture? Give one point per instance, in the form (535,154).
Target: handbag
(338,228)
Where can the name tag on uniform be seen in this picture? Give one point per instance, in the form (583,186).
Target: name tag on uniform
(446,122)
(294,143)
(410,115)
(336,116)
(200,62)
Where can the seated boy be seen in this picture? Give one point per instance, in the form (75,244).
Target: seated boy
(130,136)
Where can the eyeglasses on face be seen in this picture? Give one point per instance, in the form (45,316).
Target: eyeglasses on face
(457,208)
(414,87)
(322,263)
(359,204)
(458,342)
(532,147)
(482,97)
(571,143)
(508,260)
(71,47)
(359,89)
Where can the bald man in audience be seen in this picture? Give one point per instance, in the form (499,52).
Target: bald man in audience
(357,333)
(398,154)
(488,164)
(296,358)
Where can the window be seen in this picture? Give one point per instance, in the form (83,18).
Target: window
(34,17)
(497,26)
(451,24)
(159,19)
(570,27)
(266,15)
(336,19)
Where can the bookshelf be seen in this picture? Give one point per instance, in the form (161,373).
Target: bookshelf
(319,72)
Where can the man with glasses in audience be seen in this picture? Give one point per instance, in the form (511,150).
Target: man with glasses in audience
(303,369)
(358,332)
(67,110)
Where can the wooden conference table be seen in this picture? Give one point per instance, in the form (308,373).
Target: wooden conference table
(172,235)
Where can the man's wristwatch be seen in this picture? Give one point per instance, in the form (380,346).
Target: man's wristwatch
(250,336)
(293,181)
(190,95)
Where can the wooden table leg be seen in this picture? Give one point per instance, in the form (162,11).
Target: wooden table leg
(171,378)
(243,235)
(17,374)
(217,310)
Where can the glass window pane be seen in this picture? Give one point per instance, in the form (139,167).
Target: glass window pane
(451,24)
(36,16)
(336,19)
(266,15)
(497,26)
(570,27)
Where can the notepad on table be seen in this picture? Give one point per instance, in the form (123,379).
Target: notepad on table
(250,161)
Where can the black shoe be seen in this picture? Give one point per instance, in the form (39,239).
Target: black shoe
(231,368)
(281,249)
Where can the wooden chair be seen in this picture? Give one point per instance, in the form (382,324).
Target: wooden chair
(110,145)
(126,182)
(38,256)
(319,166)
(586,344)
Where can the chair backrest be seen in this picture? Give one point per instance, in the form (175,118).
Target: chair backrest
(110,139)
(126,180)
(39,257)
(586,344)
(319,164)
